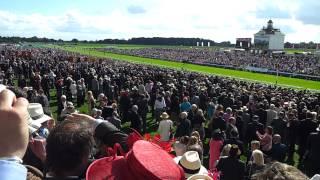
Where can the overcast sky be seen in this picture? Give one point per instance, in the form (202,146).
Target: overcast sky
(218,20)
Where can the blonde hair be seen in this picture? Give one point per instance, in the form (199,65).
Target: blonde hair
(200,112)
(89,93)
(255,143)
(226,149)
(114,105)
(258,157)
(192,141)
(196,134)
(280,171)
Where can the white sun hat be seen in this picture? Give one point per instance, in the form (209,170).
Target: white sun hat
(37,116)
(2,87)
(191,164)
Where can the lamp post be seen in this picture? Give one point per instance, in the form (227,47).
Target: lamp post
(277,66)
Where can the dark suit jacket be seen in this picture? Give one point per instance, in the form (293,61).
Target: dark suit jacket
(135,120)
(278,152)
(109,135)
(251,130)
(184,128)
(60,108)
(262,116)
(231,168)
(107,112)
(313,146)
(307,126)
(279,126)
(219,123)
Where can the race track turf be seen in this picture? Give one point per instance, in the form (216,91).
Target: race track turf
(265,78)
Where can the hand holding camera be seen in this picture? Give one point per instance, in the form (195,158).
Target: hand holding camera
(14,131)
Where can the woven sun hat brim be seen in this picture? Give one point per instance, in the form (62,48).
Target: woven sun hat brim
(200,177)
(164,116)
(203,170)
(43,119)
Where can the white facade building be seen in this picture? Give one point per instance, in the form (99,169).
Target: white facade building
(269,38)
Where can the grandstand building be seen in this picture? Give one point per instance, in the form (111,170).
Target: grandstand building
(269,38)
(243,43)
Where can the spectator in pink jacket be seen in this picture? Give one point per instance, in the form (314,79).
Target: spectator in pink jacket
(216,144)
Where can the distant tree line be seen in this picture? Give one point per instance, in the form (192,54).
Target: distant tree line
(149,41)
(301,45)
(16,39)
(140,40)
(160,41)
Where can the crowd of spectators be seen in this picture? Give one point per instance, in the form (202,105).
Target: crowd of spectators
(298,64)
(261,122)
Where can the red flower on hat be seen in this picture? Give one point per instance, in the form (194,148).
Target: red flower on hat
(135,136)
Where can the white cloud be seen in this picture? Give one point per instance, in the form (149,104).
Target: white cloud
(213,19)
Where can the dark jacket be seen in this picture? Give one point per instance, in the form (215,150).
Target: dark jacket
(278,152)
(235,141)
(253,127)
(262,115)
(219,123)
(313,147)
(115,121)
(109,135)
(43,100)
(291,131)
(184,128)
(279,126)
(107,112)
(231,168)
(306,127)
(143,106)
(135,119)
(95,85)
(60,108)
(313,157)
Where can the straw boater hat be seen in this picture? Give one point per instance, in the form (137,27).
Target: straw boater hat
(144,161)
(244,108)
(164,115)
(191,163)
(183,115)
(200,177)
(70,105)
(37,116)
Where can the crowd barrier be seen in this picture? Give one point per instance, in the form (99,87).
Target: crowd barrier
(261,70)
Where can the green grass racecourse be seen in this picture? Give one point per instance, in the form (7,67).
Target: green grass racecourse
(265,78)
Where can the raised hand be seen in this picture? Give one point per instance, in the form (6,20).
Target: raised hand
(14,134)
